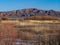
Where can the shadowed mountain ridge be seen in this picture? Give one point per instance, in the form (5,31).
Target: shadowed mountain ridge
(24,13)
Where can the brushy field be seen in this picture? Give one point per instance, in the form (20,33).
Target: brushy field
(44,32)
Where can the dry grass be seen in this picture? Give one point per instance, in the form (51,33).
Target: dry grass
(29,29)
(33,24)
(42,18)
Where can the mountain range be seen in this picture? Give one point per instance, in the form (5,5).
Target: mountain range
(24,13)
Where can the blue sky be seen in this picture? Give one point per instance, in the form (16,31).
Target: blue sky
(7,5)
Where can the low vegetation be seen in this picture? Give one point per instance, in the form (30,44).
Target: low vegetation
(44,32)
(42,18)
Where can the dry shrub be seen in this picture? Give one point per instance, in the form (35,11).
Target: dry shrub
(42,18)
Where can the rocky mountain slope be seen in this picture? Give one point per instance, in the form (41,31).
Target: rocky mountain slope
(23,13)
